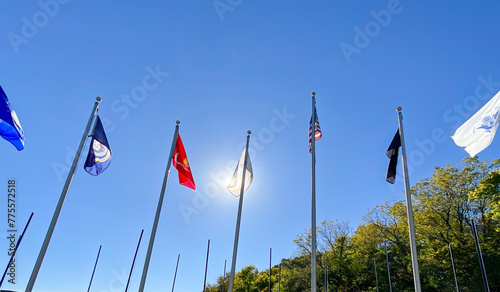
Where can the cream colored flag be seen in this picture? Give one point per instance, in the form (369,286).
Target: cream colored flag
(478,132)
(235,185)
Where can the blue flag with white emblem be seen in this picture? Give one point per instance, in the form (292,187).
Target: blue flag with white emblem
(99,156)
(10,128)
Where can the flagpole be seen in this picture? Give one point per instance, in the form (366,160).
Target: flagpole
(453,266)
(206,267)
(133,262)
(238,220)
(388,270)
(175,275)
(313,196)
(158,210)
(376,277)
(223,276)
(326,273)
(15,249)
(95,266)
(60,203)
(480,256)
(409,209)
(270,260)
(279,278)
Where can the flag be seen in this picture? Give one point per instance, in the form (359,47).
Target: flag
(235,185)
(181,163)
(392,154)
(478,132)
(99,156)
(317,130)
(10,128)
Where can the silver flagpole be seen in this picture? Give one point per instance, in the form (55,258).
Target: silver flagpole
(175,275)
(409,209)
(95,266)
(238,220)
(270,259)
(279,278)
(453,266)
(60,203)
(388,270)
(313,196)
(326,273)
(376,277)
(158,211)
(480,256)
(223,276)
(206,267)
(133,262)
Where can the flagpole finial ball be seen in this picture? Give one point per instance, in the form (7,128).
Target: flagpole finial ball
(313,93)
(177,122)
(249,132)
(399,109)
(98,99)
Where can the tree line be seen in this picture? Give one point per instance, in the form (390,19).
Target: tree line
(443,204)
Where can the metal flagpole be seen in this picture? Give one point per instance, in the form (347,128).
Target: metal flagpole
(409,209)
(133,262)
(326,273)
(158,211)
(388,270)
(15,249)
(175,275)
(279,278)
(270,259)
(206,267)
(95,266)
(60,203)
(480,256)
(313,195)
(376,277)
(223,276)
(453,266)
(238,220)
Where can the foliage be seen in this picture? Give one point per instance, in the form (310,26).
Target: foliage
(443,206)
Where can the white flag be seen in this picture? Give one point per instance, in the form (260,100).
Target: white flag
(477,133)
(235,185)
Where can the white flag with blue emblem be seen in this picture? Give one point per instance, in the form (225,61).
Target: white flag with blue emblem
(478,132)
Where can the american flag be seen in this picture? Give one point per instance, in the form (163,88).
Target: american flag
(317,130)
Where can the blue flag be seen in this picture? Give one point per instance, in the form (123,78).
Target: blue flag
(10,128)
(99,156)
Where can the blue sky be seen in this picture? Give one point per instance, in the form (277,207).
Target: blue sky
(222,68)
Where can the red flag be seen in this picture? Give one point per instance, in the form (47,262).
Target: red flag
(181,163)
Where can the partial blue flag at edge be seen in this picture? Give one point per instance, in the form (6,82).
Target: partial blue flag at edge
(10,128)
(99,156)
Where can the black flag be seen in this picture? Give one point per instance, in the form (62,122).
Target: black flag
(392,154)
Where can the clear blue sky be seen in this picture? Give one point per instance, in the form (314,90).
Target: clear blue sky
(252,65)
